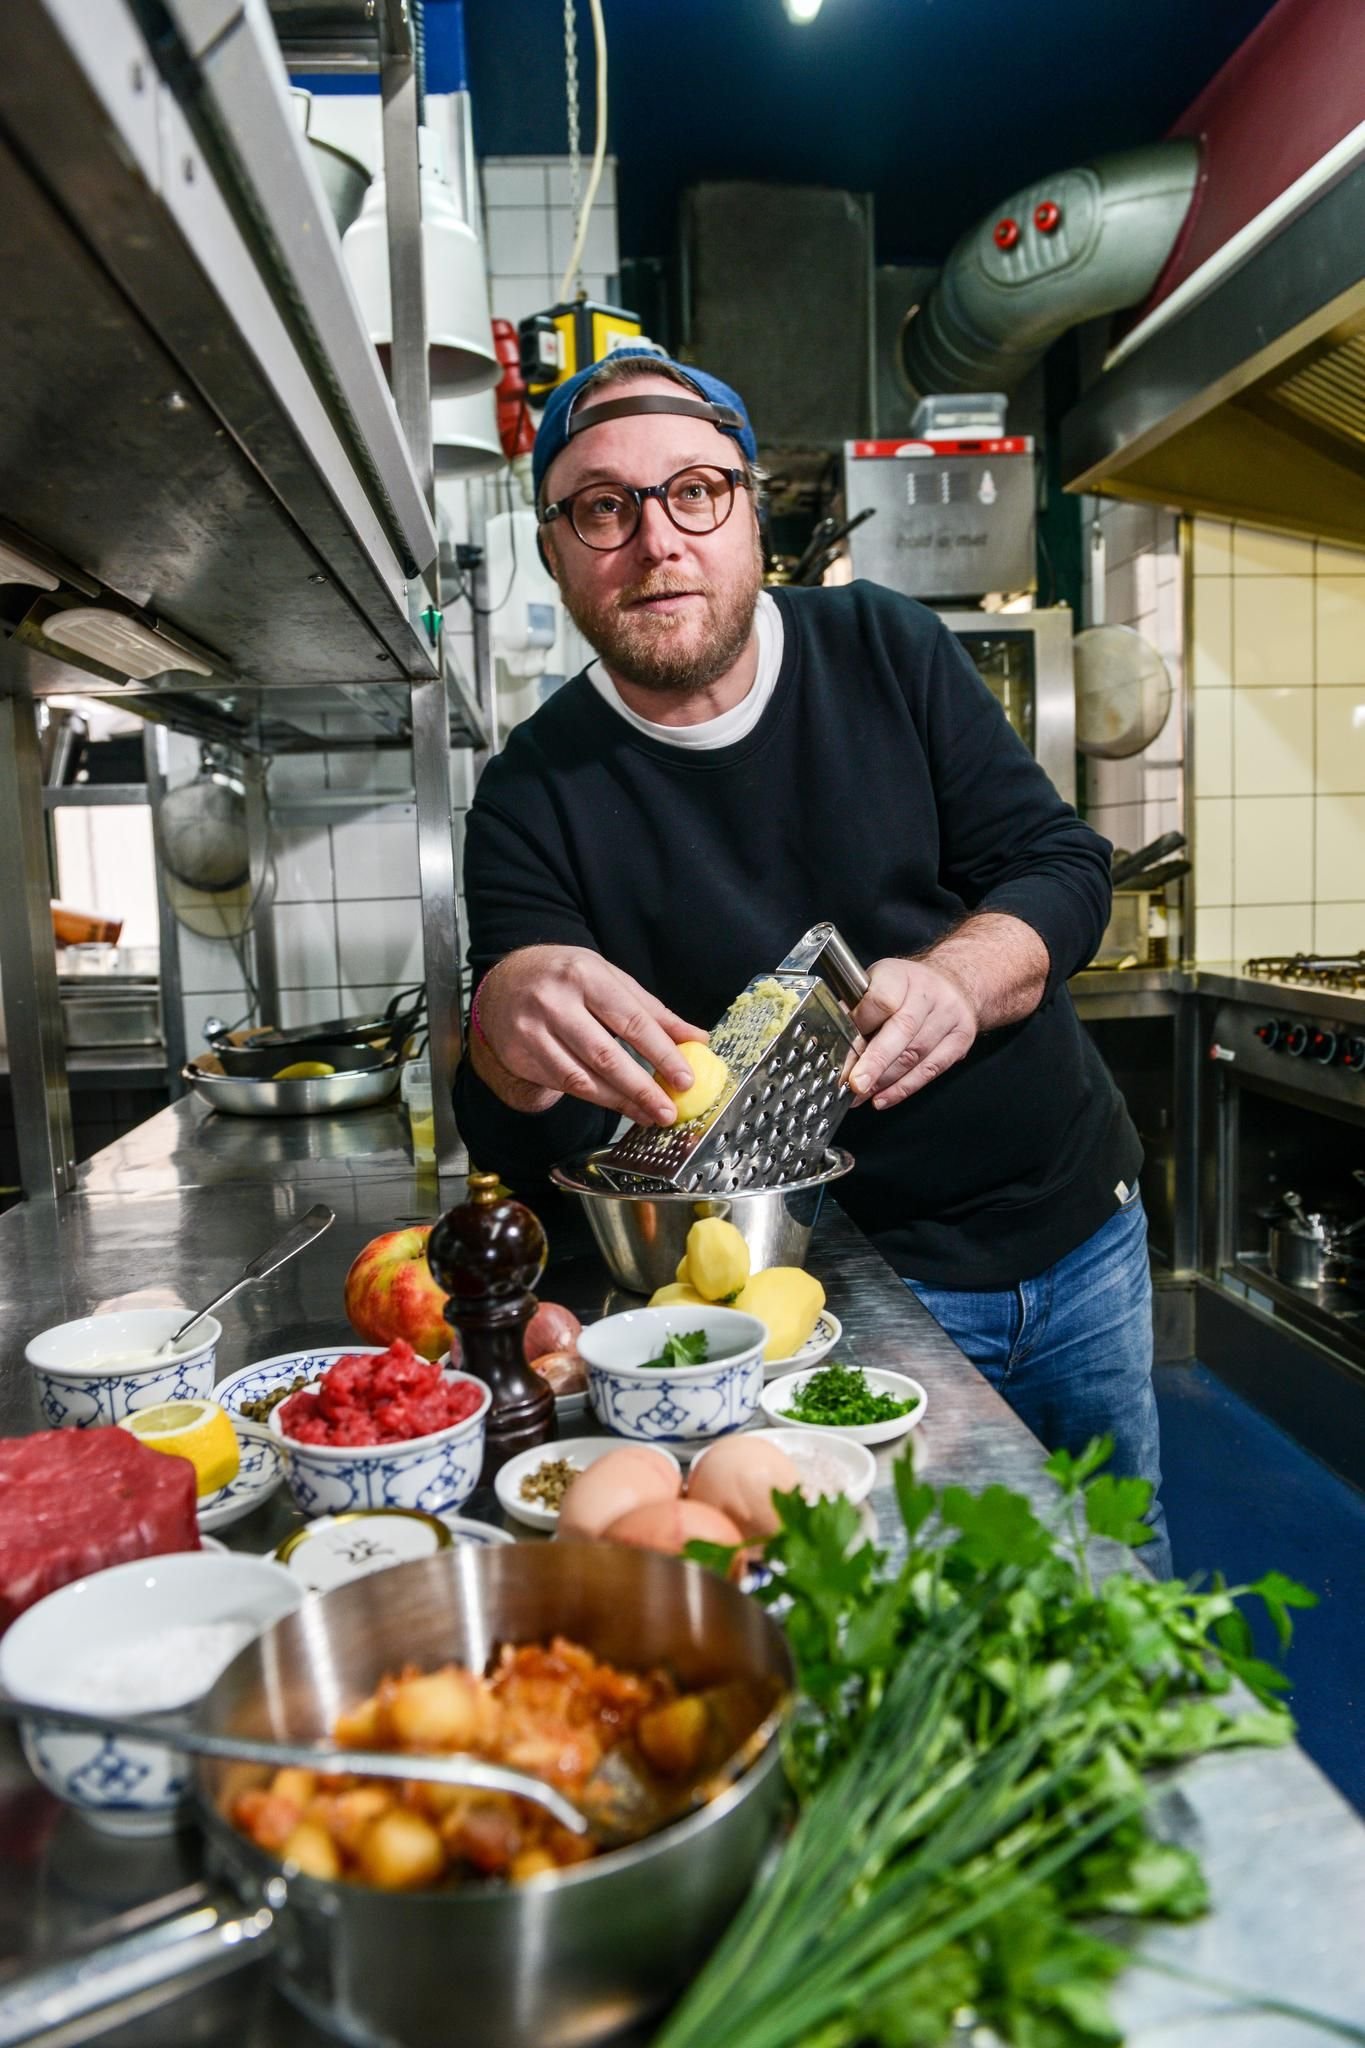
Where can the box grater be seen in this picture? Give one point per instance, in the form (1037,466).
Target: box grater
(786,1040)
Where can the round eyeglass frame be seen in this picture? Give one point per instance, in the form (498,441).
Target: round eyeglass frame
(562,508)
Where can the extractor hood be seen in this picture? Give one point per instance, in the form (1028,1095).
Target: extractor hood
(1246,397)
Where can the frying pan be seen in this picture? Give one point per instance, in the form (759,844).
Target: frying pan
(267,1051)
(564,1961)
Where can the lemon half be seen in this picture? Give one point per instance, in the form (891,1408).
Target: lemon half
(305,1070)
(198,1430)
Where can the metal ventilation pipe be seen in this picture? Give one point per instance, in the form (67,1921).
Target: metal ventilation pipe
(1067,249)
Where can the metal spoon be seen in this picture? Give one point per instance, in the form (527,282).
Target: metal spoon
(466,1771)
(295,1239)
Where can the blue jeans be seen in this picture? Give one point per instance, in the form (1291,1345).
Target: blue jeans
(1071,1351)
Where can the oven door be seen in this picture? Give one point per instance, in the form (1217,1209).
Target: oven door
(1024,659)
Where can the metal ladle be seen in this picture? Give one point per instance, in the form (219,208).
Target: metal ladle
(466,1771)
(295,1240)
(622,1802)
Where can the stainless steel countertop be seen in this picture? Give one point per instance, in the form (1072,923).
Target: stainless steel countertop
(176,1208)
(1152,990)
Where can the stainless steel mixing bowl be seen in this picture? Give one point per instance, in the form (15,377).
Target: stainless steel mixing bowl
(642,1237)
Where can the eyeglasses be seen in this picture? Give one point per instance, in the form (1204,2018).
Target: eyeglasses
(607,515)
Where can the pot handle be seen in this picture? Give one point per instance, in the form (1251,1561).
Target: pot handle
(142,1960)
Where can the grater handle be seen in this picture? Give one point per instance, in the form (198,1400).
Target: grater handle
(825,951)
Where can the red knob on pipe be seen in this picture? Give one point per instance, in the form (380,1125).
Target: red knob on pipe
(1006,233)
(1047,216)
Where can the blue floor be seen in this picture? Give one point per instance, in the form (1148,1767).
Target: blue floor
(1242,1497)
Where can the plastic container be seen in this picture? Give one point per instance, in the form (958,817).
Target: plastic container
(417,1100)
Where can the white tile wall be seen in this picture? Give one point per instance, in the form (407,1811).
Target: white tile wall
(1278,666)
(379,942)
(529,228)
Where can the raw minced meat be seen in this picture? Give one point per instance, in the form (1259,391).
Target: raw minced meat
(387,1397)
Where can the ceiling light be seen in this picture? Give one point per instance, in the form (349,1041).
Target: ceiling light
(20,568)
(802,11)
(120,643)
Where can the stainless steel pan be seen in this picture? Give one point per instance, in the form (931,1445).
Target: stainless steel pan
(236,1095)
(1313,1247)
(563,1962)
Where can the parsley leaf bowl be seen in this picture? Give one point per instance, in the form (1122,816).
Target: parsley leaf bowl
(653,1378)
(820,1397)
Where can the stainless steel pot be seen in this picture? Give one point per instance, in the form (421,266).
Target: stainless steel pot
(563,1962)
(642,1237)
(1311,1247)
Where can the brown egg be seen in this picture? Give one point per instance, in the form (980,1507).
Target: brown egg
(612,1486)
(739,1475)
(669,1524)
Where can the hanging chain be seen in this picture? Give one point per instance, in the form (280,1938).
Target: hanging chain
(571,95)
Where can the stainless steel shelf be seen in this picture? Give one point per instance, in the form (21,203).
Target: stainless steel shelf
(83,796)
(193,423)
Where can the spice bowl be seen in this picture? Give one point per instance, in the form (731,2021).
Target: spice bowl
(94,1371)
(778,1395)
(432,1472)
(60,1652)
(578,1451)
(666,1404)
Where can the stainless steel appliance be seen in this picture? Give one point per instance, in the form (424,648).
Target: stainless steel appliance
(1290,1123)
(955,518)
(1024,659)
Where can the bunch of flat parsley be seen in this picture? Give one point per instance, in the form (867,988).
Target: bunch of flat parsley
(969,1756)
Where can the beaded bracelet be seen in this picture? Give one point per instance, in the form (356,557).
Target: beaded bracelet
(475,1026)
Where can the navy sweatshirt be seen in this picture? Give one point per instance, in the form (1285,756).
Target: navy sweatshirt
(883,789)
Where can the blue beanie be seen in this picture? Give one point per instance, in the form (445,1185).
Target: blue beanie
(553,432)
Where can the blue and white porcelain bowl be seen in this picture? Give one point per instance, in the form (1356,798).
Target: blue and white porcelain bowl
(435,1472)
(677,1405)
(266,1376)
(101,1368)
(131,1621)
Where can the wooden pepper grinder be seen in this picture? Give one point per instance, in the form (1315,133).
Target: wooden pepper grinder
(488,1254)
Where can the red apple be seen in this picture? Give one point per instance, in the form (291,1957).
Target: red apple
(390,1293)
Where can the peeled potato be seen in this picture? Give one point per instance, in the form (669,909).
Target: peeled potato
(676,1290)
(709,1076)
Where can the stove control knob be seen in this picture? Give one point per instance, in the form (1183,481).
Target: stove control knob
(1271,1033)
(1296,1041)
(1322,1047)
(1353,1054)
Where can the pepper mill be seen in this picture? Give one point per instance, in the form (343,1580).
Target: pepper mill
(488,1254)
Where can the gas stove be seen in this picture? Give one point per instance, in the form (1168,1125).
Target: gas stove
(1290,1043)
(1313,970)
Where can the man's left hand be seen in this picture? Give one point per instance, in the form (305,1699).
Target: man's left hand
(917,1022)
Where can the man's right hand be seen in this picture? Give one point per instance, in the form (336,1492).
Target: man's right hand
(550,1018)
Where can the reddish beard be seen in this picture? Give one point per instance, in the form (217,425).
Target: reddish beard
(671,653)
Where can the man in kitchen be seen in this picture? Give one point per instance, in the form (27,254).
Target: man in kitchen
(737,765)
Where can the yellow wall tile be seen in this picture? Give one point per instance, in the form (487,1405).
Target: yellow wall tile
(1335,561)
(1212,934)
(1272,849)
(1212,850)
(1258,553)
(1340,714)
(1211,633)
(1272,742)
(1261,928)
(1341,629)
(1340,848)
(1212,742)
(1339,927)
(1212,547)
(1272,631)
